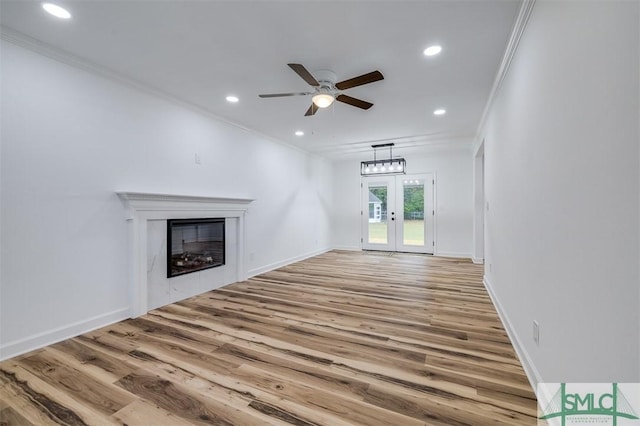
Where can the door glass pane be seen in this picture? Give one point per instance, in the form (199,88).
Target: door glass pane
(413,230)
(378,214)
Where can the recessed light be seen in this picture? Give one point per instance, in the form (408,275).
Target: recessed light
(299,133)
(232,99)
(432,50)
(440,112)
(57,11)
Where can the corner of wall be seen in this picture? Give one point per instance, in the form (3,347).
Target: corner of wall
(533,375)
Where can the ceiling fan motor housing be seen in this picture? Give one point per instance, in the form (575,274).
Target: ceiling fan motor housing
(325,76)
(327,80)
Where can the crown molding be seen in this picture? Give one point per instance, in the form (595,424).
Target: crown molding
(512,45)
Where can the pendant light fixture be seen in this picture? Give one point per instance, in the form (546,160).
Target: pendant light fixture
(389,166)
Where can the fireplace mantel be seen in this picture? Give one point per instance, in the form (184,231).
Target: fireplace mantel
(146,201)
(142,207)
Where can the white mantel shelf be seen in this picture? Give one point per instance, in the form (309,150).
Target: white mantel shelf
(142,200)
(148,196)
(143,206)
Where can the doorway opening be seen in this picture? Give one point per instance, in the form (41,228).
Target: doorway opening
(479,206)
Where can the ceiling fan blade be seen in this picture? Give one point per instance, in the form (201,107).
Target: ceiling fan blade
(354,101)
(306,75)
(279,95)
(312,110)
(360,80)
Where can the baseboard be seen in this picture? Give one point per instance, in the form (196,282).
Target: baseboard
(37,341)
(347,248)
(439,253)
(280,264)
(477,261)
(452,254)
(527,364)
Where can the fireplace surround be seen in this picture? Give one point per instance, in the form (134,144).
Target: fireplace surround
(146,210)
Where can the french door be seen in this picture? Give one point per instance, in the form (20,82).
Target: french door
(398,213)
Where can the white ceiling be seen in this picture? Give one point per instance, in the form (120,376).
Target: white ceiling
(201,51)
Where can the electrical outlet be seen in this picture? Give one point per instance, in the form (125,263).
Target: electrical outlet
(490,267)
(197,159)
(536,333)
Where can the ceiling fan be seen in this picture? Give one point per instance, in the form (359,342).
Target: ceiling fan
(326,90)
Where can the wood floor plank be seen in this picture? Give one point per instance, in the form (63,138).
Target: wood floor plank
(302,371)
(97,364)
(351,409)
(98,395)
(11,417)
(141,412)
(42,403)
(344,338)
(171,397)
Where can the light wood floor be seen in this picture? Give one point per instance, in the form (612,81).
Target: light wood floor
(342,338)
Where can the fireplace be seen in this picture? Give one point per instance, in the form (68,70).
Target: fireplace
(194,245)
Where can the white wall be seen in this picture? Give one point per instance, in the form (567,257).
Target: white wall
(561,180)
(70,139)
(454,200)
(345,223)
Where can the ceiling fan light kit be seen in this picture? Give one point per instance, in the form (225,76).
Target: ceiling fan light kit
(388,166)
(326,90)
(323,100)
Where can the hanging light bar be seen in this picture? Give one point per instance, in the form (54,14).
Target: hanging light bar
(389,166)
